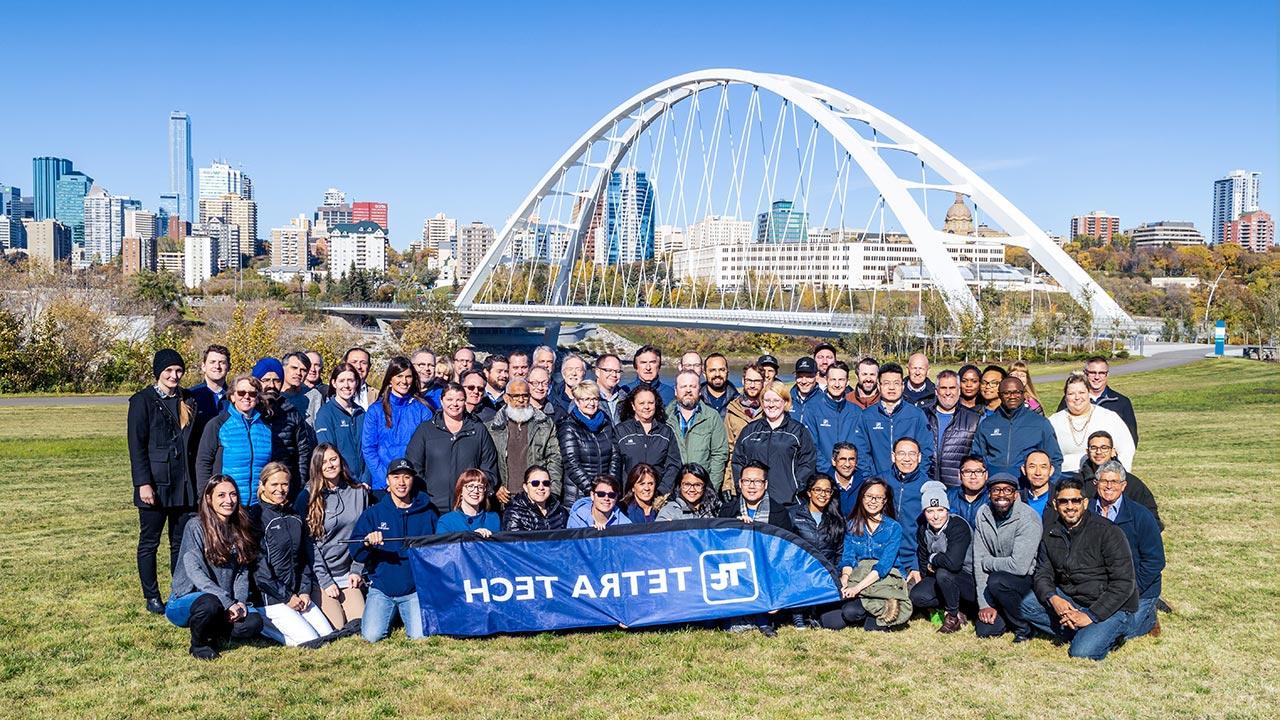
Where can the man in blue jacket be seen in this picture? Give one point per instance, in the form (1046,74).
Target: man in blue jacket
(647,362)
(1005,437)
(406,511)
(907,482)
(828,417)
(805,389)
(1143,532)
(883,423)
(971,494)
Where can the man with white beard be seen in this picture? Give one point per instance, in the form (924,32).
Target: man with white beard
(523,436)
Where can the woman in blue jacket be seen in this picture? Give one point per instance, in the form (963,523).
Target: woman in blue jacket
(391,422)
(238,442)
(340,421)
(871,535)
(470,507)
(599,509)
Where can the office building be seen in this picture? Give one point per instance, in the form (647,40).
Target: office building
(221,179)
(361,246)
(168,207)
(1254,231)
(199,259)
(629,209)
(104,226)
(1165,233)
(474,241)
(45,173)
(719,230)
(69,203)
(783,223)
(181,166)
(12,234)
(48,242)
(334,210)
(141,224)
(1097,225)
(237,211)
(137,255)
(10,199)
(375,211)
(291,246)
(1233,195)
(668,239)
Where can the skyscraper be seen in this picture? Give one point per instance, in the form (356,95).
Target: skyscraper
(237,211)
(473,242)
(68,209)
(439,233)
(104,224)
(45,173)
(221,179)
(1233,195)
(375,211)
(629,201)
(10,197)
(181,168)
(782,224)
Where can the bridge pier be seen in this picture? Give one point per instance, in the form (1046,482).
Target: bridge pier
(551,335)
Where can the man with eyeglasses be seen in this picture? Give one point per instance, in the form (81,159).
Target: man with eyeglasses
(691,362)
(717,391)
(464,360)
(878,429)
(1084,589)
(523,436)
(1099,450)
(1145,544)
(539,395)
(952,426)
(608,369)
(1006,538)
(907,482)
(1005,437)
(971,494)
(739,413)
(1097,371)
(754,506)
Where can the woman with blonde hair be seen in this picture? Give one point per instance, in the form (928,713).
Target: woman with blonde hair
(780,442)
(1022,371)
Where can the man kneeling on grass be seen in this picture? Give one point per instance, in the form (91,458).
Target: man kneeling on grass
(1084,591)
(406,511)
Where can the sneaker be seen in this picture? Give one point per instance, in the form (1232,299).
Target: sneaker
(1163,606)
(1021,637)
(155,606)
(739,628)
(935,618)
(768,630)
(203,652)
(799,622)
(952,623)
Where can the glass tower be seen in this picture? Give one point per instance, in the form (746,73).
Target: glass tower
(45,172)
(181,168)
(69,203)
(782,224)
(629,206)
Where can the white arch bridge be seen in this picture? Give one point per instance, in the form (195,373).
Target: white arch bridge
(696,203)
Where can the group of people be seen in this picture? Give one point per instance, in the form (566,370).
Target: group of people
(962,494)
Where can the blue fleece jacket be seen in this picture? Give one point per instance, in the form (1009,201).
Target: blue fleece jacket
(246,449)
(381,444)
(1004,441)
(965,509)
(883,546)
(876,432)
(334,425)
(458,521)
(907,506)
(829,421)
(387,565)
(580,515)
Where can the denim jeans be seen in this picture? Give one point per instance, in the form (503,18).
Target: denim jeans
(178,609)
(1142,621)
(1092,641)
(380,607)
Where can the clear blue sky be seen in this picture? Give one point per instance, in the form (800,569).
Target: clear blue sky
(1134,108)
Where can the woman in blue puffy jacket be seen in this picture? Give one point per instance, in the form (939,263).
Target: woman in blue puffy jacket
(390,422)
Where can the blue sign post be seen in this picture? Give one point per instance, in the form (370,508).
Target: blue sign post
(1220,338)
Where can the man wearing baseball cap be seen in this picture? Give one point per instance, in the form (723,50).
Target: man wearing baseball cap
(1006,538)
(770,366)
(805,388)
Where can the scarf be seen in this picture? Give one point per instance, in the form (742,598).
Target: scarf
(593,423)
(762,510)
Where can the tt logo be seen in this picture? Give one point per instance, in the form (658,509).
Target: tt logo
(728,576)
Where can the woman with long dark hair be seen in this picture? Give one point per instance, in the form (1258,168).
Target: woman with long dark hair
(874,591)
(340,420)
(643,436)
(640,499)
(210,590)
(391,422)
(817,519)
(330,505)
(694,496)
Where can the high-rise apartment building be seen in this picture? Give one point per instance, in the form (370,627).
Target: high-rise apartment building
(783,223)
(1097,225)
(629,211)
(440,233)
(375,211)
(362,246)
(199,259)
(290,246)
(48,241)
(137,255)
(104,226)
(1233,195)
(69,203)
(181,167)
(221,179)
(1254,231)
(45,173)
(227,237)
(334,211)
(140,224)
(719,230)
(474,241)
(238,211)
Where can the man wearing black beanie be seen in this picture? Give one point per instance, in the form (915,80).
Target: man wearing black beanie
(159,429)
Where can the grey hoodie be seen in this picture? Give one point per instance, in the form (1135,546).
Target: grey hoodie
(332,558)
(1007,546)
(194,573)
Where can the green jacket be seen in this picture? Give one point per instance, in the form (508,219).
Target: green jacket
(706,442)
(544,447)
(876,597)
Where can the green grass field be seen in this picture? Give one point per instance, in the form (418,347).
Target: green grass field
(75,641)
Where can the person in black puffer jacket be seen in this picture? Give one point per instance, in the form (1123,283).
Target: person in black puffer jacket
(292,439)
(587,446)
(654,445)
(535,508)
(781,443)
(958,423)
(283,581)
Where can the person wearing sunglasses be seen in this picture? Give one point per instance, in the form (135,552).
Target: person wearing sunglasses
(1084,589)
(599,509)
(238,442)
(470,507)
(535,507)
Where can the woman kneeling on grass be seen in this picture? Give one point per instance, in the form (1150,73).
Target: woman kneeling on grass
(211,581)
(470,500)
(283,576)
(331,504)
(874,591)
(600,510)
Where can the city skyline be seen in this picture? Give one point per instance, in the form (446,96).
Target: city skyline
(1010,121)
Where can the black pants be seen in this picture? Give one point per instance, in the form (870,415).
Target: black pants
(210,626)
(849,614)
(151,524)
(945,589)
(1004,593)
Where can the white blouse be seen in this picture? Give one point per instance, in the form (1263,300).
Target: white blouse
(1073,439)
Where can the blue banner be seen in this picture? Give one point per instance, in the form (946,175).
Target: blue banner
(634,575)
